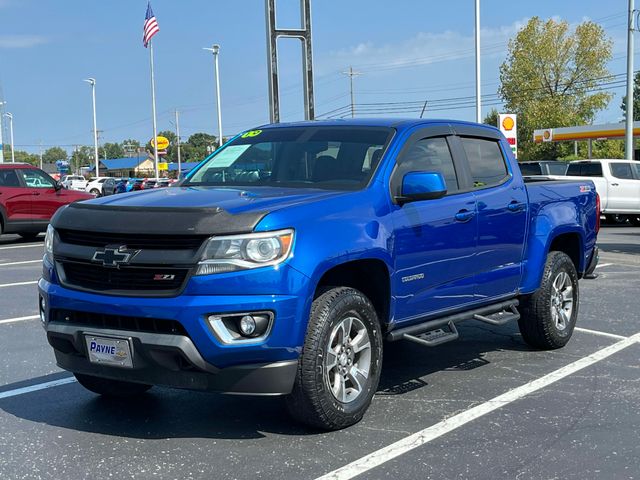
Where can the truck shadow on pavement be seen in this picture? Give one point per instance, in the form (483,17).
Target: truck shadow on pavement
(167,413)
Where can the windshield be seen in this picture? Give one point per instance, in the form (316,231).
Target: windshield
(338,158)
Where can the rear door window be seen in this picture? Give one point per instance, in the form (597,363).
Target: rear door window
(486,161)
(592,169)
(9,178)
(621,170)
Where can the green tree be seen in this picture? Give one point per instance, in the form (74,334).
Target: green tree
(53,154)
(25,157)
(636,100)
(550,79)
(491,118)
(202,145)
(81,156)
(130,147)
(112,150)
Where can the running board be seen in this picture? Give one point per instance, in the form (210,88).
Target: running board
(433,338)
(442,330)
(499,318)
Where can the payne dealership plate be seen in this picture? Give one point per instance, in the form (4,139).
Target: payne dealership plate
(110,351)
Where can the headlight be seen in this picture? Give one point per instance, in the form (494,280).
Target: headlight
(48,243)
(242,252)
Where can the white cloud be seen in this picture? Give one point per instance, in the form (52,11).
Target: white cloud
(21,41)
(424,48)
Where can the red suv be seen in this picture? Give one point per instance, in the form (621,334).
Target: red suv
(29,198)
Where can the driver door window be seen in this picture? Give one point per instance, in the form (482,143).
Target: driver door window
(427,155)
(36,179)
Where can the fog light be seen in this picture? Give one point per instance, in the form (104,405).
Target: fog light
(43,309)
(247,325)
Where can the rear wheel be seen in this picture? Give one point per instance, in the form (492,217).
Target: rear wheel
(549,315)
(635,220)
(339,368)
(111,388)
(95,191)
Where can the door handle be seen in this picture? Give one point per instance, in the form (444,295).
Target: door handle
(515,206)
(615,184)
(35,193)
(464,215)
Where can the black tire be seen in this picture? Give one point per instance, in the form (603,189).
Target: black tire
(95,191)
(537,324)
(312,401)
(111,388)
(29,235)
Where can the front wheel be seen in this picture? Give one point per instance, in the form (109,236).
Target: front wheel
(339,368)
(549,315)
(111,388)
(95,191)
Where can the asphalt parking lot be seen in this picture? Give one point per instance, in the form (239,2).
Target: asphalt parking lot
(484,407)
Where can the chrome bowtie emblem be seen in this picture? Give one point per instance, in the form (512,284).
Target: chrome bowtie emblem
(114,256)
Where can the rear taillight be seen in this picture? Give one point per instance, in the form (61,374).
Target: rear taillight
(597,212)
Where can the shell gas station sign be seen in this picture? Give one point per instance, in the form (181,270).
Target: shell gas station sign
(508,125)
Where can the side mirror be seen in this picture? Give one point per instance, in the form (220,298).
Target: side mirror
(422,186)
(58,186)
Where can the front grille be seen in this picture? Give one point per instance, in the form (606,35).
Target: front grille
(118,322)
(89,276)
(132,241)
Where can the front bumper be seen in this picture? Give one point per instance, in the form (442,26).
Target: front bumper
(169,360)
(192,358)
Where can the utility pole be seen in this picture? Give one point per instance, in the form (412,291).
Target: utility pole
(478,97)
(352,74)
(178,145)
(40,154)
(13,153)
(628,134)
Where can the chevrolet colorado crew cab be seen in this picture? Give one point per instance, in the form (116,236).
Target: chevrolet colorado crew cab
(281,264)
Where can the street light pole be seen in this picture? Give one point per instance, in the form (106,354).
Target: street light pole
(92,82)
(13,153)
(628,134)
(215,50)
(478,94)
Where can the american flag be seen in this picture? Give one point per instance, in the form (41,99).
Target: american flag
(150,26)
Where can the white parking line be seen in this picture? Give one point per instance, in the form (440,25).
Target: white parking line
(19,319)
(425,436)
(604,265)
(20,263)
(31,245)
(598,332)
(36,387)
(17,284)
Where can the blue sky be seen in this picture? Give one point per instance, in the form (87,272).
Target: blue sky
(407,50)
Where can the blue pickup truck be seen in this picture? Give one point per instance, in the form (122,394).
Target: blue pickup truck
(286,259)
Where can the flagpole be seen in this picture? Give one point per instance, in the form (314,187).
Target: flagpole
(153,110)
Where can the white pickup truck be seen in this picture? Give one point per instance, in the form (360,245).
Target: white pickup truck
(618,184)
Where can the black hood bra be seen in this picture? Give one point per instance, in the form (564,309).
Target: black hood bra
(154,220)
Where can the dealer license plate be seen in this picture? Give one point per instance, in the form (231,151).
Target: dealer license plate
(115,352)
